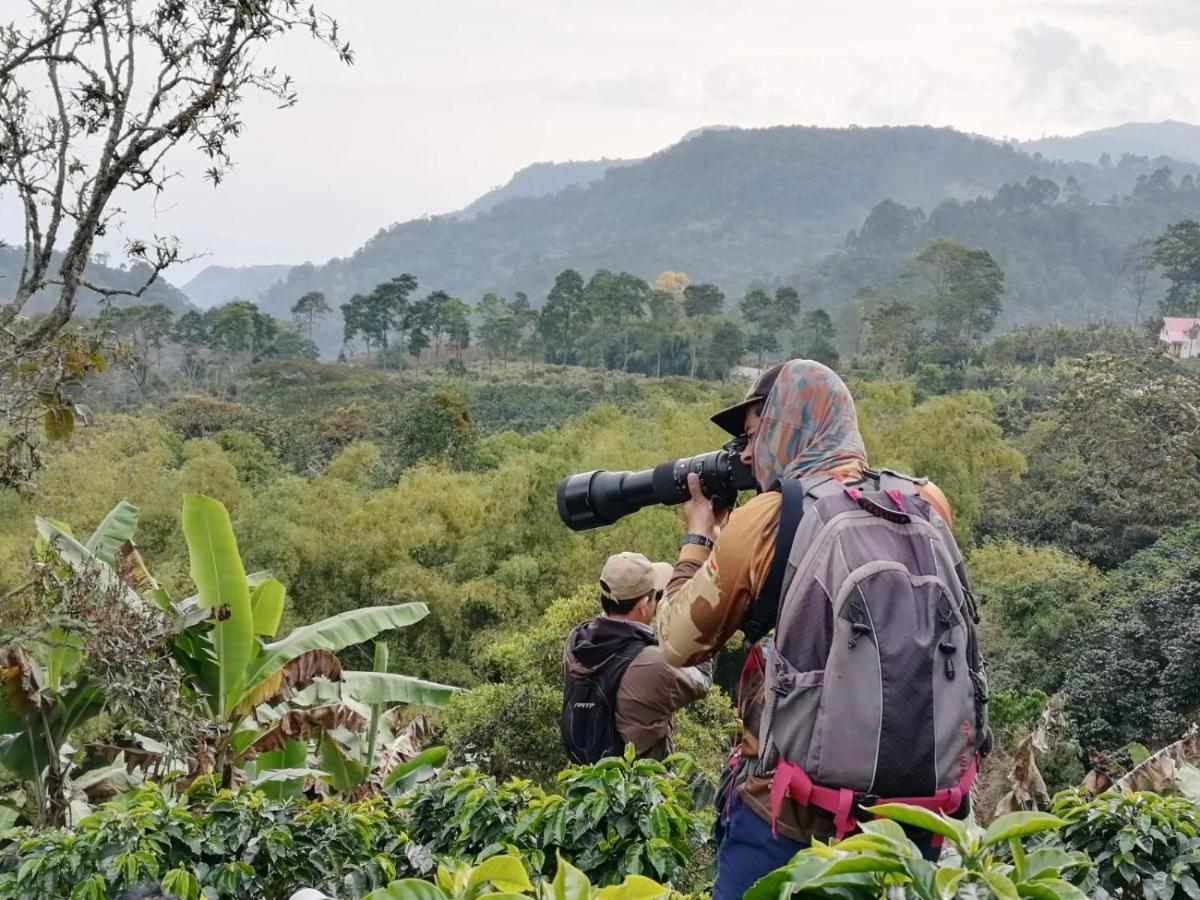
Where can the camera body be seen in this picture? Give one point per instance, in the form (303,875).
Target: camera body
(591,499)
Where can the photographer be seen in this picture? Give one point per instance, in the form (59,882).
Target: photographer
(618,689)
(809,461)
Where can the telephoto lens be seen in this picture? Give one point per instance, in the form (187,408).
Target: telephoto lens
(591,499)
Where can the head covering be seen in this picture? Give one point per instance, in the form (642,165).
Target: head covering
(809,425)
(628,576)
(733,418)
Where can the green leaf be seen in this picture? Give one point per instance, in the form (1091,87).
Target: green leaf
(408,889)
(266,604)
(182,884)
(1000,884)
(1019,824)
(64,657)
(220,578)
(504,872)
(1049,861)
(344,773)
(946,880)
(116,528)
(635,887)
(1051,889)
(569,883)
(408,774)
(1138,753)
(922,818)
(355,626)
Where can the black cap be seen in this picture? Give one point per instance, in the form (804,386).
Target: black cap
(733,418)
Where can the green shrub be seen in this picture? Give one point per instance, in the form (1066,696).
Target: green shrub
(882,862)
(509,729)
(612,819)
(228,845)
(1141,844)
(505,876)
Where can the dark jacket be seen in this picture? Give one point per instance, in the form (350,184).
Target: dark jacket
(651,689)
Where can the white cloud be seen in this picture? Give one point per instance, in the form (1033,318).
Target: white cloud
(448,99)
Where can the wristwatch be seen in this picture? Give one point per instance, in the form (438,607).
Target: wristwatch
(705,542)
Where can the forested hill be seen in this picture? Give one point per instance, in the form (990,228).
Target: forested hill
(214,285)
(543,178)
(1178,140)
(1064,258)
(725,206)
(129,278)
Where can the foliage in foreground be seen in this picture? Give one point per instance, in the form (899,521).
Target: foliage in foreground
(506,877)
(1141,844)
(615,818)
(612,820)
(881,861)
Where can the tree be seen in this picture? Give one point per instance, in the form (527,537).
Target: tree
(146,327)
(81,135)
(457,323)
(310,307)
(615,301)
(1177,253)
(375,315)
(958,288)
(565,318)
(758,311)
(700,303)
(817,338)
(239,329)
(892,334)
(889,224)
(498,331)
(1113,464)
(1137,267)
(726,345)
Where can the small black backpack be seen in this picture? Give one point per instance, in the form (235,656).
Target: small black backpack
(588,722)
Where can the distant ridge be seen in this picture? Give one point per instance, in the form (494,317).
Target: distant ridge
(1178,140)
(215,285)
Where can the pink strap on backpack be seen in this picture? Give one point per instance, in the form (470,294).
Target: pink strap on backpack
(792,781)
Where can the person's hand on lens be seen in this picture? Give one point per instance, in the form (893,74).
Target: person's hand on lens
(699,517)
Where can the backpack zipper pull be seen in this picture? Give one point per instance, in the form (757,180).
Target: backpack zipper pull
(949,650)
(859,629)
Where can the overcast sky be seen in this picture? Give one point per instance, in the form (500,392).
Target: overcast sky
(448,98)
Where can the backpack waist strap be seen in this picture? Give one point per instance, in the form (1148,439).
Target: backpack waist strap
(792,781)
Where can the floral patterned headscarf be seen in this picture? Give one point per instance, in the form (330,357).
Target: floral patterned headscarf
(809,425)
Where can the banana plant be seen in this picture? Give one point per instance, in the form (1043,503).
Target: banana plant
(237,665)
(45,690)
(881,860)
(224,639)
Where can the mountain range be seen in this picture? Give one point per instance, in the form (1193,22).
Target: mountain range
(735,206)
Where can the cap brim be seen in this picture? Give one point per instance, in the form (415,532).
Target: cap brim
(662,575)
(733,418)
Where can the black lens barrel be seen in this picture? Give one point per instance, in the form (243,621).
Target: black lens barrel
(591,499)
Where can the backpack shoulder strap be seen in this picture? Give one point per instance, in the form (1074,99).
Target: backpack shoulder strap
(765,608)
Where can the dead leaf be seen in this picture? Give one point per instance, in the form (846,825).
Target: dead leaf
(303,724)
(1159,772)
(298,674)
(132,569)
(1028,787)
(20,682)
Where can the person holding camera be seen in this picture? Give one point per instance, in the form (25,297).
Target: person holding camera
(863,681)
(618,688)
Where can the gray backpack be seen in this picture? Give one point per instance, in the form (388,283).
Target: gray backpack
(875,690)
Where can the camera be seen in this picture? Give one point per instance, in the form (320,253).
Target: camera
(591,499)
